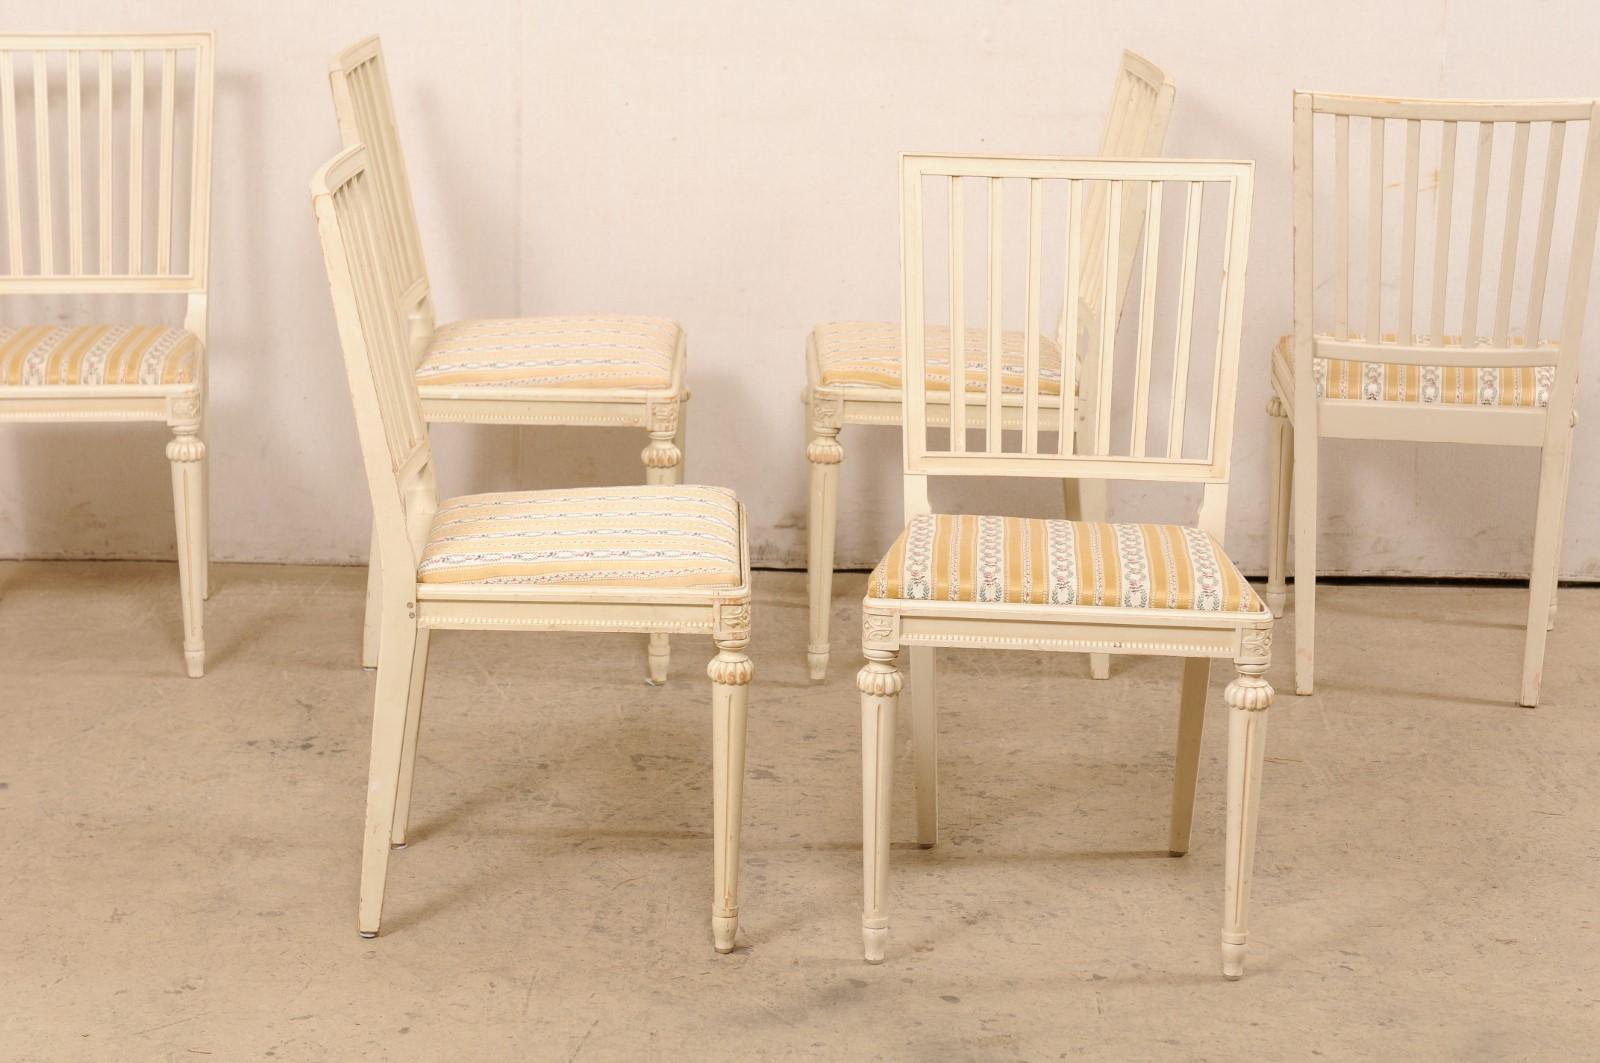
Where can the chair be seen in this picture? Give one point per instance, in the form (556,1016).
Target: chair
(129,215)
(1404,373)
(853,368)
(1008,583)
(654,558)
(587,369)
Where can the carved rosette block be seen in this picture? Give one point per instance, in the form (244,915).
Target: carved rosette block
(730,625)
(827,416)
(662,451)
(183,417)
(1250,690)
(879,631)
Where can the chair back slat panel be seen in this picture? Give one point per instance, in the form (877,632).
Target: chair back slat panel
(364,105)
(958,316)
(64,226)
(1504,164)
(374,334)
(1028,395)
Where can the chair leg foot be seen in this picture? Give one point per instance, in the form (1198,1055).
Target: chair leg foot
(874,940)
(194,660)
(1276,601)
(1232,960)
(368,934)
(724,928)
(817,664)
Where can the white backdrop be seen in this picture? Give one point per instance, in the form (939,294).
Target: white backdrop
(731,163)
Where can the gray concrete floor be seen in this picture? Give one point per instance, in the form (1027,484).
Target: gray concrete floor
(180,857)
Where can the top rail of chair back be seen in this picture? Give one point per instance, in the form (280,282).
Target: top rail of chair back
(994,246)
(105,162)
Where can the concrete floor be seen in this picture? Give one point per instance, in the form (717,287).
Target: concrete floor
(180,857)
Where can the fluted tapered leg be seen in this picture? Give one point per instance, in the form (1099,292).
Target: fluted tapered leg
(1280,490)
(187,455)
(823,458)
(1186,761)
(879,682)
(1248,697)
(730,671)
(925,742)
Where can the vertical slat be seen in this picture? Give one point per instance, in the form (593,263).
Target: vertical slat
(958,316)
(1513,231)
(198,264)
(8,135)
(1441,231)
(169,60)
(1147,318)
(1408,231)
(1108,321)
(913,317)
(105,91)
(41,146)
(1180,357)
(996,353)
(1341,206)
(1030,321)
(1230,289)
(136,165)
(1070,301)
(1375,234)
(1480,212)
(74,163)
(1534,322)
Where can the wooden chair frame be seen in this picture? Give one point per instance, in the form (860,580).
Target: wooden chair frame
(399,467)
(1136,126)
(366,115)
(88,271)
(888,624)
(1300,419)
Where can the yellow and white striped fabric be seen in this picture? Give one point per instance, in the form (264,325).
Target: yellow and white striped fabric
(867,354)
(651,536)
(40,355)
(598,351)
(968,558)
(1428,385)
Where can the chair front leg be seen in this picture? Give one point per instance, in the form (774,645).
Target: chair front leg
(663,464)
(408,748)
(824,455)
(187,454)
(730,671)
(1186,762)
(1304,441)
(1247,697)
(1280,490)
(925,742)
(879,682)
(389,711)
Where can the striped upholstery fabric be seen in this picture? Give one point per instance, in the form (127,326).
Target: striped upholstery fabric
(1429,384)
(553,352)
(656,536)
(1059,562)
(866,354)
(98,354)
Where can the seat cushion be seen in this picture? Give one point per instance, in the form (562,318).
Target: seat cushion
(967,558)
(650,537)
(98,354)
(866,354)
(553,352)
(1427,385)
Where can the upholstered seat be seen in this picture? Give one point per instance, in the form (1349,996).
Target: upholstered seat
(866,354)
(89,355)
(1427,385)
(598,351)
(968,558)
(639,537)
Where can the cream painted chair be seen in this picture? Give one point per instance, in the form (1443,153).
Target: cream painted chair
(610,370)
(1468,364)
(1008,583)
(654,558)
(127,215)
(853,368)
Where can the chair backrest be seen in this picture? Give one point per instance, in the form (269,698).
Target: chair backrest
(105,162)
(365,277)
(1462,322)
(1136,128)
(365,109)
(1163,439)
